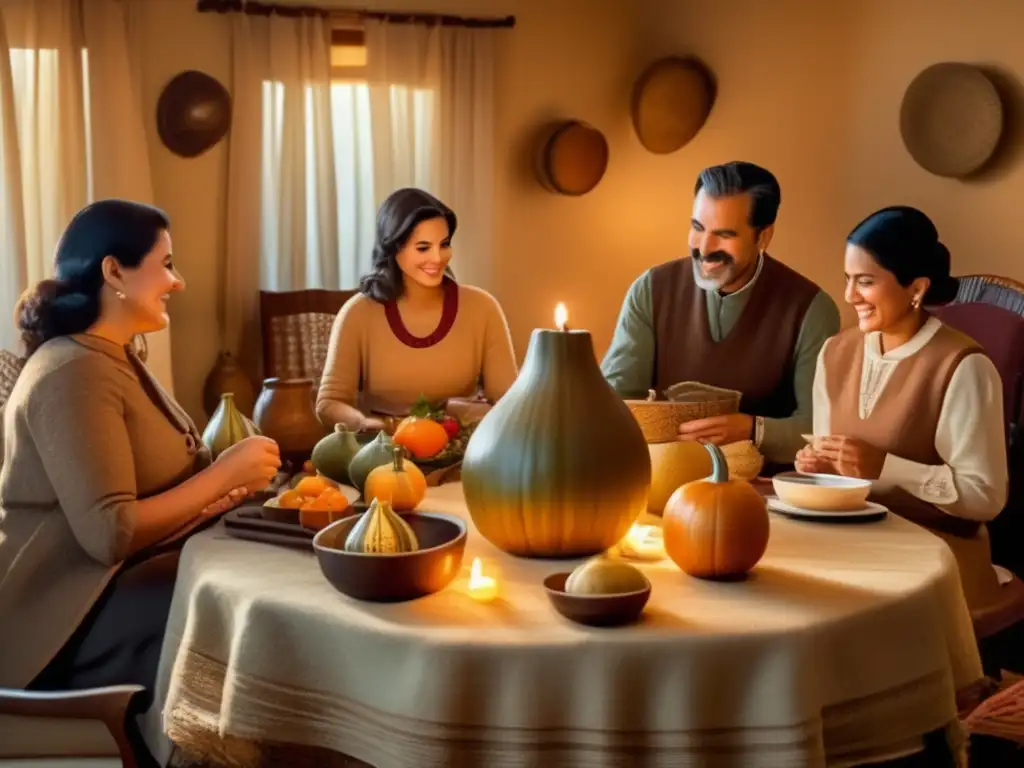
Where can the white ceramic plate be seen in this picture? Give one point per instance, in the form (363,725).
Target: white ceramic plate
(870,510)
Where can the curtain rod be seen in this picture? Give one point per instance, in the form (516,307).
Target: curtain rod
(254,8)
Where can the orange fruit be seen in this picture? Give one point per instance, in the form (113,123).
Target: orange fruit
(312,486)
(291,499)
(422,438)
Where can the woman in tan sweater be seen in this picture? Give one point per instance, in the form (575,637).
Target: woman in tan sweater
(100,464)
(412,330)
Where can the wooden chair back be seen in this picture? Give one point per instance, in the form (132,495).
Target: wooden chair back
(296,327)
(990,309)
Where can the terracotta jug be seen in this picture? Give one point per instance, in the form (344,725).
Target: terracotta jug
(228,376)
(285,412)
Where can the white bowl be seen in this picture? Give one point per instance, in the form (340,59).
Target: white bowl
(823,493)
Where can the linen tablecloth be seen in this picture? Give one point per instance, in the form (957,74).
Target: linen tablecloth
(846,644)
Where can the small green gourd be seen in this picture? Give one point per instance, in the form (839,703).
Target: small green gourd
(381,531)
(227,426)
(334,453)
(378,451)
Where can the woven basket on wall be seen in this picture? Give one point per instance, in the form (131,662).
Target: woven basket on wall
(659,420)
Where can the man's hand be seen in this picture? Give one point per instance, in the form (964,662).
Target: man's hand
(851,457)
(720,430)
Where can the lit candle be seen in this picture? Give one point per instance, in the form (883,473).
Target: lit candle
(643,542)
(561,317)
(481,588)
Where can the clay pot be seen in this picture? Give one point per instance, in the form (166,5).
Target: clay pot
(228,376)
(285,412)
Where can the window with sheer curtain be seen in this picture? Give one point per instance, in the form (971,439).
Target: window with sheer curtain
(379,138)
(37,91)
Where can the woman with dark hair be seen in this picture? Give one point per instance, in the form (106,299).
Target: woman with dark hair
(101,463)
(412,330)
(908,402)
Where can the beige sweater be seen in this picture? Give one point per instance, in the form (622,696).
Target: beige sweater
(369,367)
(87,432)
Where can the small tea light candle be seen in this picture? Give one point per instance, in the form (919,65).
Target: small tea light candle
(482,588)
(643,542)
(561,317)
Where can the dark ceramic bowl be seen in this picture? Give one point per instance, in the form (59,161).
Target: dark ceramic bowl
(595,610)
(392,578)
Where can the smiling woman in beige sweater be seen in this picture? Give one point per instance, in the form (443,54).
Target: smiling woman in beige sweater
(412,330)
(101,464)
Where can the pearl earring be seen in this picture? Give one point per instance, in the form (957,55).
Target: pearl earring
(120,295)
(916,303)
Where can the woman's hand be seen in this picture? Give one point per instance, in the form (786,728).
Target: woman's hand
(251,463)
(809,461)
(226,503)
(851,457)
(372,424)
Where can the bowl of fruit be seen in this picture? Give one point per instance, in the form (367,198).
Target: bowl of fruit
(314,502)
(435,437)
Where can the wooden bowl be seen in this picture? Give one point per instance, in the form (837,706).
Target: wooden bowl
(823,493)
(573,159)
(273,511)
(595,610)
(397,577)
(951,119)
(671,101)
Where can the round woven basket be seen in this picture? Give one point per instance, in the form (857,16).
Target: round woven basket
(659,420)
(951,119)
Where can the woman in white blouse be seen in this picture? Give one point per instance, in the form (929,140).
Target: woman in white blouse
(908,402)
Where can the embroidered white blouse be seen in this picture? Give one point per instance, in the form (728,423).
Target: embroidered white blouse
(970,437)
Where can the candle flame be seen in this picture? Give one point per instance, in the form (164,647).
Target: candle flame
(476,571)
(561,316)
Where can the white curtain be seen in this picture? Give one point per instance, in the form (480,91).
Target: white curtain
(441,80)
(313,155)
(71,131)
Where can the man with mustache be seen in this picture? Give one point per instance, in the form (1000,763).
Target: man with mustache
(729,316)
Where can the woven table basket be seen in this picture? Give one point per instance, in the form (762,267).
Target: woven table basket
(659,419)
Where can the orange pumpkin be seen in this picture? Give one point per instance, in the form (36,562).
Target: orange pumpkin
(423,438)
(401,482)
(716,527)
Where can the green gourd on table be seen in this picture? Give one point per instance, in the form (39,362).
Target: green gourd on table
(334,453)
(227,426)
(559,466)
(381,531)
(375,453)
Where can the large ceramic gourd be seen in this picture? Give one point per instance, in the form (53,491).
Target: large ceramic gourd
(558,467)
(375,453)
(674,464)
(227,426)
(381,531)
(401,482)
(716,527)
(332,455)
